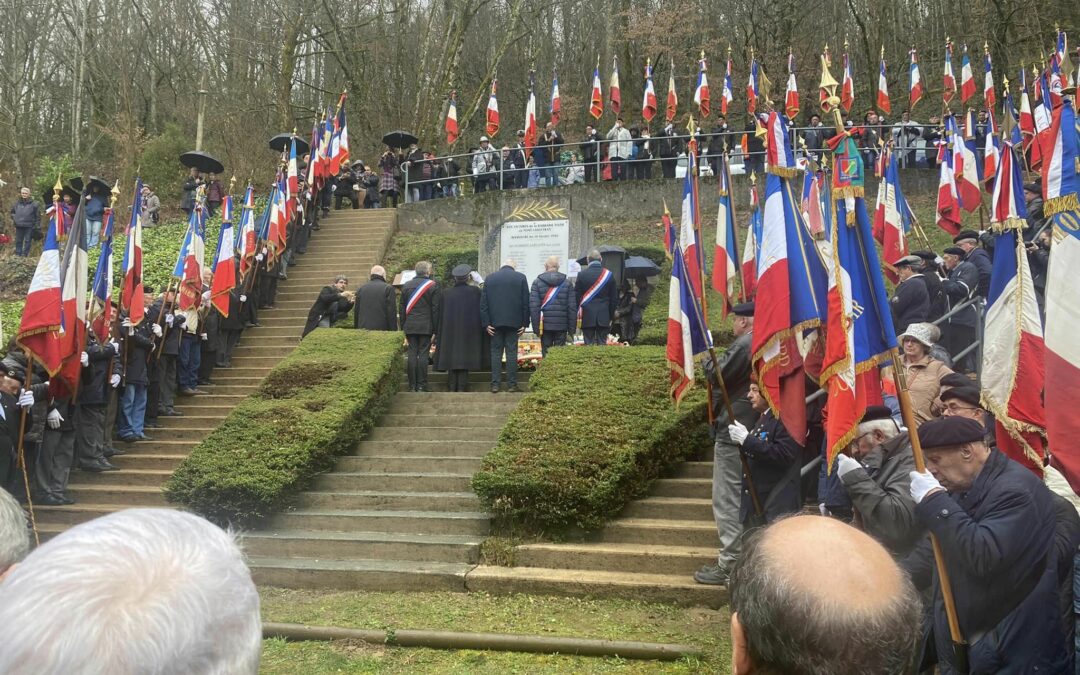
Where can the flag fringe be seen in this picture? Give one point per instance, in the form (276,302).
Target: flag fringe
(1010,223)
(1056,205)
(851,191)
(1015,429)
(786,171)
(673,389)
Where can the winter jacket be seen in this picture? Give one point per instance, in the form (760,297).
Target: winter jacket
(140,344)
(981,260)
(962,284)
(187,201)
(880,492)
(596,313)
(424,316)
(735,369)
(95,207)
(590,147)
(910,303)
(25,213)
(171,334)
(505,300)
(330,301)
(375,308)
(94,386)
(560,315)
(774,458)
(620,145)
(924,385)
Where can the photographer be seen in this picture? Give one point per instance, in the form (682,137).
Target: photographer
(590,151)
(485,162)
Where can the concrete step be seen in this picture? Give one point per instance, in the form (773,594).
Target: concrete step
(666,588)
(357,264)
(211,419)
(282,319)
(622,557)
(475,376)
(672,508)
(218,387)
(153,461)
(127,496)
(285,331)
(471,421)
(384,463)
(424,442)
(179,433)
(424,397)
(241,371)
(253,340)
(393,482)
(161,446)
(362,545)
(438,387)
(209,398)
(487,404)
(415,522)
(694,470)
(58,518)
(657,532)
(241,361)
(122,478)
(374,575)
(690,488)
(375,499)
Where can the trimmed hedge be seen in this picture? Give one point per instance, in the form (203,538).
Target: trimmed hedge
(596,428)
(444,251)
(314,405)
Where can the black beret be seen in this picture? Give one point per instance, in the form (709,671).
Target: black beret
(461,271)
(147,289)
(956,380)
(1033,187)
(956,250)
(967,394)
(966,234)
(876,412)
(945,432)
(743,309)
(929,256)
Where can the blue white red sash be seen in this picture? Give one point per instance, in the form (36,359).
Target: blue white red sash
(548,297)
(594,290)
(417,294)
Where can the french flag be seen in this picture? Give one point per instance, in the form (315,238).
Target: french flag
(728,94)
(39,329)
(278,229)
(847,87)
(915,83)
(991,152)
(725,258)
(896,220)
(1042,117)
(246,237)
(492,126)
(883,102)
(74,271)
(672,96)
(752,247)
(670,235)
(339,143)
(1061,185)
(948,201)
(689,221)
(648,103)
(596,99)
(614,90)
(812,209)
(701,91)
(326,145)
(192,258)
(1013,337)
(949,79)
(555,107)
(313,156)
(752,89)
(687,333)
(966,165)
(1056,82)
(530,117)
(224,260)
(967,77)
(100,313)
(131,295)
(451,125)
(1027,118)
(292,183)
(791,95)
(988,81)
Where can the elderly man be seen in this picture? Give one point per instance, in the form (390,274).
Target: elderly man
(421,304)
(968,240)
(485,162)
(26,218)
(91,592)
(875,472)
(14,533)
(910,302)
(785,619)
(597,296)
(960,286)
(995,521)
(376,306)
(504,311)
(332,300)
(727,466)
(553,306)
(620,147)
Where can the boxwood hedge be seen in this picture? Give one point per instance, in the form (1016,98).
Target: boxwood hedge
(312,406)
(596,428)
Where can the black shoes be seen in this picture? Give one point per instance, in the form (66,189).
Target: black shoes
(52,500)
(152,424)
(494,389)
(172,412)
(99,466)
(513,388)
(113,452)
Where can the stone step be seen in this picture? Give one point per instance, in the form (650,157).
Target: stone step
(424,397)
(384,464)
(374,575)
(209,398)
(665,588)
(374,520)
(424,482)
(672,508)
(489,404)
(123,478)
(694,470)
(153,461)
(244,389)
(475,376)
(241,361)
(424,442)
(242,371)
(285,331)
(472,421)
(179,433)
(339,248)
(56,518)
(188,420)
(690,488)
(656,532)
(128,496)
(252,339)
(160,446)
(622,557)
(375,499)
(357,264)
(282,319)
(437,387)
(362,545)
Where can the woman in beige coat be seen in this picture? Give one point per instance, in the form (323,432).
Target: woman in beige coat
(923,373)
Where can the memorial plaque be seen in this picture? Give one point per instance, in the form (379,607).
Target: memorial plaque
(530,230)
(531,242)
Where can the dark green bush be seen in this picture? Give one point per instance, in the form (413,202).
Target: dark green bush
(313,406)
(443,251)
(596,428)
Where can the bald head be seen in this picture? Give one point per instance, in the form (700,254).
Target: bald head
(511,263)
(806,580)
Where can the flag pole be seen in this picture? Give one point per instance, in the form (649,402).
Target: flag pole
(21,459)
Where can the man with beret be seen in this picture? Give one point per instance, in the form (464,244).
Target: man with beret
(504,310)
(1036,216)
(995,522)
(959,287)
(968,240)
(910,302)
(460,331)
(875,471)
(931,264)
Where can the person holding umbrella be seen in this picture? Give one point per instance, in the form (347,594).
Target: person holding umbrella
(191,184)
(388,187)
(95,210)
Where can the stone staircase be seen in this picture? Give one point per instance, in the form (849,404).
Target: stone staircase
(349,242)
(398,513)
(649,553)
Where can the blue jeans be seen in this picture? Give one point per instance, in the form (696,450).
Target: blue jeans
(23,238)
(132,411)
(190,357)
(505,340)
(93,233)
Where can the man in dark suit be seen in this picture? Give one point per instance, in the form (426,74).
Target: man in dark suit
(376,308)
(504,312)
(332,300)
(597,295)
(421,306)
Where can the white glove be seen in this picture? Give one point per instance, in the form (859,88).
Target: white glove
(738,432)
(206,296)
(265,250)
(114,381)
(333,188)
(84,359)
(204,336)
(169,318)
(26,399)
(922,484)
(845,464)
(54,419)
(126,323)
(156,328)
(243,298)
(115,345)
(258,257)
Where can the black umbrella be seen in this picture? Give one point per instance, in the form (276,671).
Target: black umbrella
(47,196)
(197,159)
(605,249)
(638,266)
(280,143)
(101,184)
(399,139)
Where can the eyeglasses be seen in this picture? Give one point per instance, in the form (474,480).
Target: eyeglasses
(958,408)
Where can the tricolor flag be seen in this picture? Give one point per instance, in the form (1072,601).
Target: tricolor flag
(896,220)
(988,81)
(672,96)
(812,209)
(292,183)
(689,222)
(451,125)
(967,77)
(1013,337)
(752,87)
(100,313)
(614,91)
(326,145)
(224,260)
(847,87)
(648,103)
(313,155)
(530,115)
(726,255)
(73,293)
(1010,121)
(246,237)
(948,200)
(701,91)
(1056,82)
(596,99)
(948,79)
(883,102)
(751,247)
(687,333)
(915,84)
(1027,118)
(1042,116)
(39,330)
(791,95)
(555,107)
(1061,186)
(966,165)
(277,232)
(341,136)
(492,126)
(262,229)
(991,152)
(728,94)
(131,294)
(192,258)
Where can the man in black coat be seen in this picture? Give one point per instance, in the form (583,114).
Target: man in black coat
(969,241)
(460,331)
(669,148)
(376,306)
(961,286)
(332,300)
(419,312)
(140,343)
(10,412)
(995,522)
(910,302)
(230,328)
(164,312)
(552,305)
(597,296)
(932,279)
(100,374)
(590,153)
(504,311)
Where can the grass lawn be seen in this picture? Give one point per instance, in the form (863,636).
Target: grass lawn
(479,612)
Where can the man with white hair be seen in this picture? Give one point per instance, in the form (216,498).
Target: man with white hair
(504,313)
(14,535)
(137,591)
(376,305)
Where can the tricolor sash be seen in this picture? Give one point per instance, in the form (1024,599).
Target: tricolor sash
(548,297)
(594,290)
(417,294)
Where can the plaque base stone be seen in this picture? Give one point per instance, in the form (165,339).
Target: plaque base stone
(529,230)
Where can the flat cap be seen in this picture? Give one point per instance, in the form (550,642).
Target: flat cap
(461,271)
(968,394)
(945,432)
(965,234)
(876,412)
(909,261)
(956,250)
(743,309)
(929,256)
